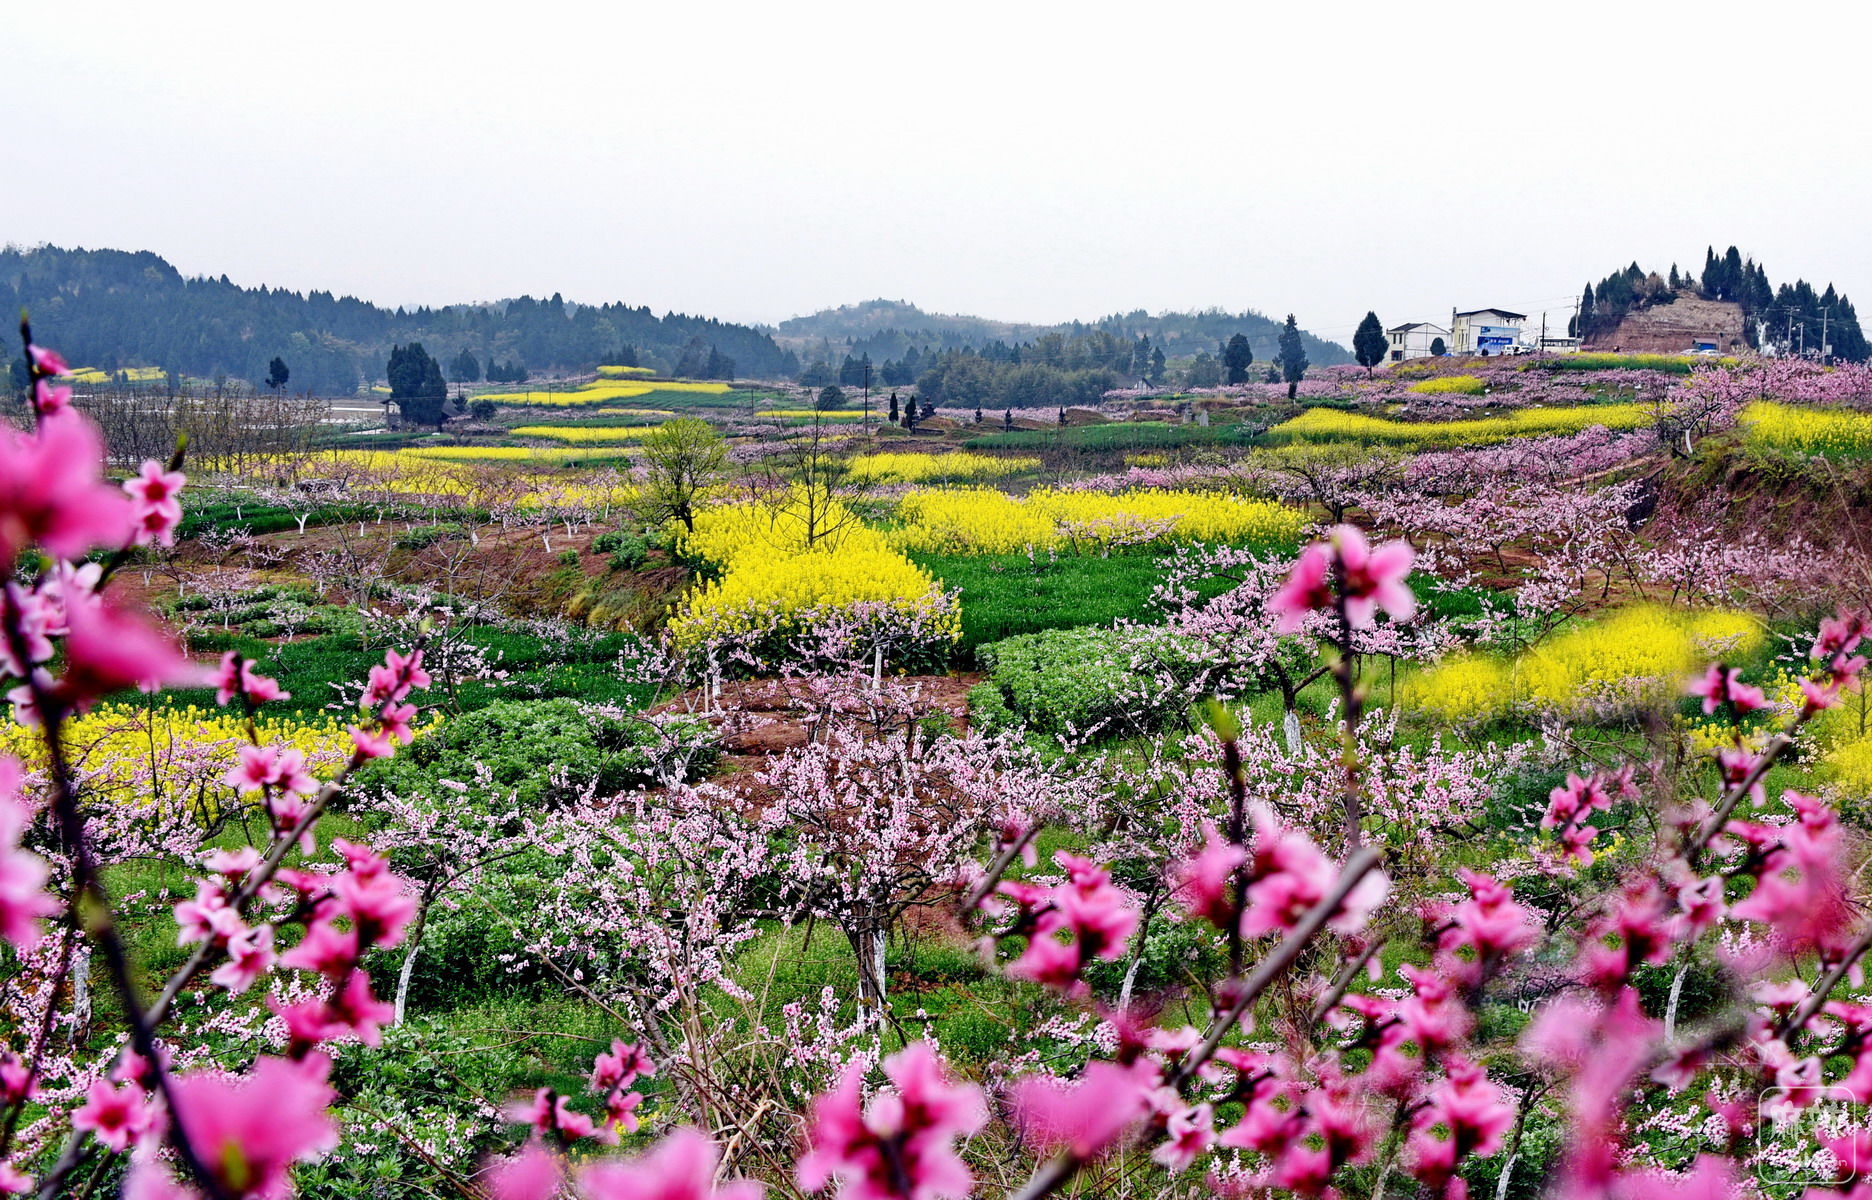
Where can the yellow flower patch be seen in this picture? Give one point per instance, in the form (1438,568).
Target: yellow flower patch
(1329,424)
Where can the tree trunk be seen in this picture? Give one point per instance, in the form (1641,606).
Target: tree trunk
(868,943)
(413,944)
(81,992)
(1670,1007)
(1137,954)
(1290,729)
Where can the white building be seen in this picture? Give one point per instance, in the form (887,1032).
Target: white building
(1485,331)
(1417,340)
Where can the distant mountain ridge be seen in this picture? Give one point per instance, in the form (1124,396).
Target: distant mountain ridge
(118,308)
(886,329)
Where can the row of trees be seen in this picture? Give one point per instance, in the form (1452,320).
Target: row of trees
(889,330)
(1797,317)
(1054,371)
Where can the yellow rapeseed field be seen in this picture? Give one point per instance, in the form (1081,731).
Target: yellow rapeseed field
(771,577)
(925,468)
(583,433)
(180,746)
(1328,424)
(1640,653)
(1444,385)
(1831,432)
(532,454)
(602,391)
(985,521)
(474,480)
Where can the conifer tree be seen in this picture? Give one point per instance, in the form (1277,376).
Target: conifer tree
(1292,357)
(1368,342)
(1236,358)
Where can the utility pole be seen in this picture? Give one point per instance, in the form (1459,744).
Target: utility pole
(1540,347)
(867,395)
(1826,347)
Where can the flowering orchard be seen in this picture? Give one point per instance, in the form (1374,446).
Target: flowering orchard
(1480,816)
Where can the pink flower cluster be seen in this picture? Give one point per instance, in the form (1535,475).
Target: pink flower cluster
(1068,925)
(1346,570)
(901,1143)
(1267,887)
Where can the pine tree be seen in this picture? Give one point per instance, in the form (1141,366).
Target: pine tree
(277,374)
(893,408)
(417,387)
(1157,365)
(1292,357)
(1368,342)
(1236,357)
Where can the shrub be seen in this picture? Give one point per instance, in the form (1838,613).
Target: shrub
(1062,681)
(545,751)
(628,550)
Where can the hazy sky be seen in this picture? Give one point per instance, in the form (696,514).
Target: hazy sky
(1031,161)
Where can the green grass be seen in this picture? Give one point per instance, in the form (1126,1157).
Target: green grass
(537,669)
(1006,594)
(202,514)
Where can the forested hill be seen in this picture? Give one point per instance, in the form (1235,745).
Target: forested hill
(114,309)
(887,329)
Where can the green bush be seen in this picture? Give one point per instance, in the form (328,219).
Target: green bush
(628,551)
(1064,680)
(546,751)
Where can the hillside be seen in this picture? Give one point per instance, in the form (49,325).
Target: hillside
(115,308)
(887,329)
(1677,326)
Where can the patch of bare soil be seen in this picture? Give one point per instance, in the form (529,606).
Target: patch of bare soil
(764,717)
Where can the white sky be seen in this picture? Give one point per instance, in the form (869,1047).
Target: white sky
(1022,160)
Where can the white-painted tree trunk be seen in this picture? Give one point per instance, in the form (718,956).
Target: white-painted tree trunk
(81,991)
(1290,729)
(1670,1006)
(402,984)
(409,962)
